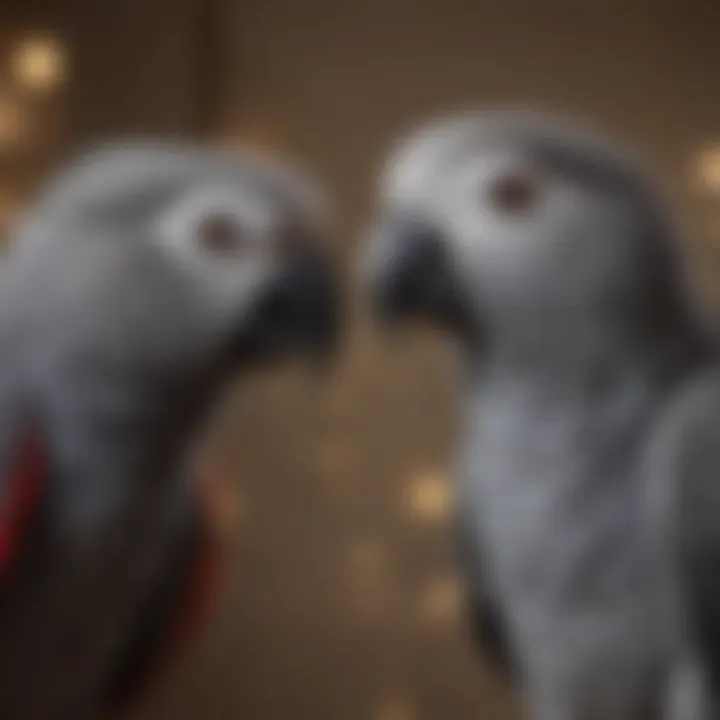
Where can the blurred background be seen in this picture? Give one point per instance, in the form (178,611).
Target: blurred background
(341,601)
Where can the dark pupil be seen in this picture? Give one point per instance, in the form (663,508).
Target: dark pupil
(219,233)
(514,193)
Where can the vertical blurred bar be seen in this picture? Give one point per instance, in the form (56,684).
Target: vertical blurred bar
(207,61)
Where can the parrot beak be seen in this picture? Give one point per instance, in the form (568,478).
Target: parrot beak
(297,314)
(409,275)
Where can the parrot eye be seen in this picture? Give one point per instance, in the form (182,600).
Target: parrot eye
(514,192)
(220,233)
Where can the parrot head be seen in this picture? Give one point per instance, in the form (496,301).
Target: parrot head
(174,256)
(504,220)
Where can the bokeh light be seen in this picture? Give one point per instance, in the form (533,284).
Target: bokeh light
(368,576)
(440,602)
(428,496)
(369,558)
(395,707)
(39,63)
(708,168)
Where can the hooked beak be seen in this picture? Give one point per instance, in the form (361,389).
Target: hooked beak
(411,276)
(297,314)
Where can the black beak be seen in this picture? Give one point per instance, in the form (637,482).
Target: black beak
(412,276)
(298,314)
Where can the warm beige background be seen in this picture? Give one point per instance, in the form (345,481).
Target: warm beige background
(340,599)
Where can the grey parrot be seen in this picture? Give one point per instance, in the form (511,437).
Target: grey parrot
(141,280)
(587,502)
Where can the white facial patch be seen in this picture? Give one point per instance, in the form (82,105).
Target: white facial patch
(178,226)
(416,163)
(225,278)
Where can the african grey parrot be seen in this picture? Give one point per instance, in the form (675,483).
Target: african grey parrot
(142,278)
(588,495)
